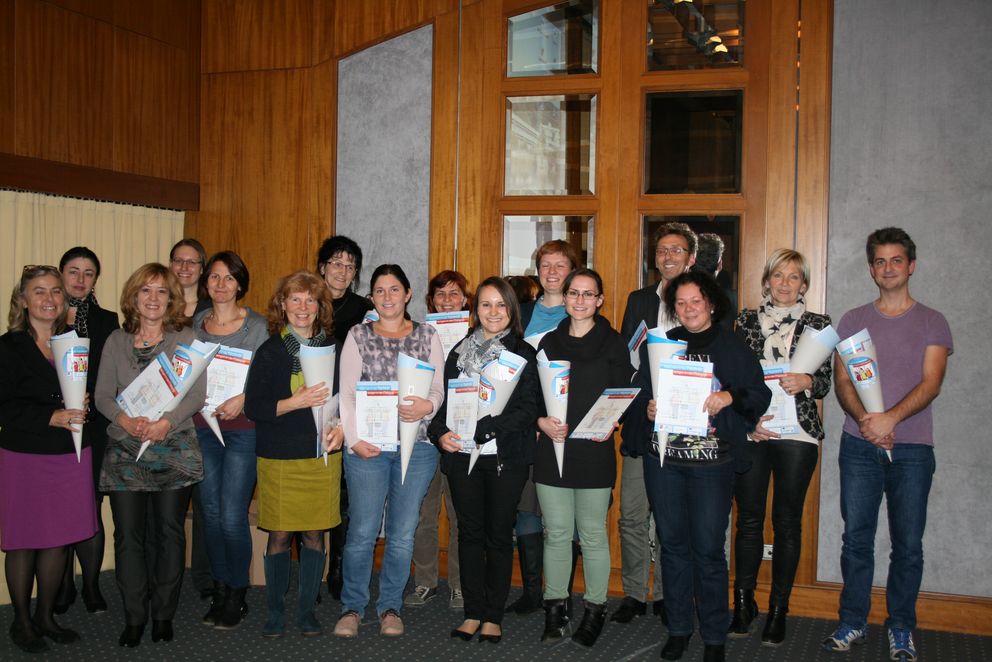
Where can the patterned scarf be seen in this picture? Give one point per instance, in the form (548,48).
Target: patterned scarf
(82,307)
(777,327)
(476,351)
(292,341)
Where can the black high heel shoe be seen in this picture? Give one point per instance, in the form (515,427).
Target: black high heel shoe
(463,635)
(57,634)
(162,631)
(27,640)
(131,636)
(675,647)
(490,638)
(94,602)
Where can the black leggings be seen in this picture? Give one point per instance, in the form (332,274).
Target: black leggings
(792,464)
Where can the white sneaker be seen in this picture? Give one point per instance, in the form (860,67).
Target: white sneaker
(456,601)
(420,596)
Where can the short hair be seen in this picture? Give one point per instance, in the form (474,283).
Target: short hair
(175,314)
(588,273)
(708,287)
(235,265)
(505,290)
(201,291)
(301,281)
(80,251)
(890,235)
(709,253)
(335,246)
(17,317)
(682,230)
(524,287)
(556,246)
(443,279)
(779,257)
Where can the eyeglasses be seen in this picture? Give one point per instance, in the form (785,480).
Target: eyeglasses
(576,295)
(178,262)
(38,267)
(338,265)
(674,251)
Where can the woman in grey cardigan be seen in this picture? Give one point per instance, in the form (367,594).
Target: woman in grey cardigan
(152,306)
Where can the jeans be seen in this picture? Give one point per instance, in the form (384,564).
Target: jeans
(865,475)
(565,511)
(692,509)
(636,524)
(792,464)
(223,498)
(426,543)
(370,483)
(486,503)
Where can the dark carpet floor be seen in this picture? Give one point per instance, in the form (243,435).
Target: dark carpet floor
(427,638)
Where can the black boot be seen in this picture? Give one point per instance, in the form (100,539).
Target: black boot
(591,625)
(216,604)
(234,609)
(675,647)
(530,548)
(555,621)
(745,611)
(335,553)
(774,632)
(714,653)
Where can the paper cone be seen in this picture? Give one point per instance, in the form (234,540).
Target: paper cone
(473,458)
(554,376)
(141,451)
(661,348)
(72,354)
(318,366)
(814,347)
(858,355)
(414,377)
(212,423)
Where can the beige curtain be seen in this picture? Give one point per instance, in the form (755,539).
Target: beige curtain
(38,229)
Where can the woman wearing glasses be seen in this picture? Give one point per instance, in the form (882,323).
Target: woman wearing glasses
(186,261)
(579,497)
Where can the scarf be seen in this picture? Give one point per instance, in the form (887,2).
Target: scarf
(476,351)
(292,341)
(82,307)
(777,326)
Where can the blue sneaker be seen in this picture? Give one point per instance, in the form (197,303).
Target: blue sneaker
(844,637)
(901,646)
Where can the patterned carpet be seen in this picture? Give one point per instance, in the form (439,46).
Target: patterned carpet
(427,638)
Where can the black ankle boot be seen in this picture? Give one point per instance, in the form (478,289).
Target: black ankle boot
(555,621)
(591,625)
(234,609)
(714,653)
(745,611)
(774,632)
(216,604)
(675,647)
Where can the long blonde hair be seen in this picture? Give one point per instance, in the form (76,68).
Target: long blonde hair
(17,319)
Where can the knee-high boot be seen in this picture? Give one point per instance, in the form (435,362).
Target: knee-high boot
(276,585)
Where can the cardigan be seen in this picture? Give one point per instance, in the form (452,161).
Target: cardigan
(29,395)
(514,430)
(600,360)
(292,436)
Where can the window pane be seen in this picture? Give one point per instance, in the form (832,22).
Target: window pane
(726,227)
(523,235)
(695,35)
(551,145)
(560,39)
(693,142)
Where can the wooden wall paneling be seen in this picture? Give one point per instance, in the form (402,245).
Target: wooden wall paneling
(162,20)
(248,35)
(323,22)
(323,154)
(7,76)
(102,10)
(444,143)
(150,108)
(358,25)
(193,21)
(63,90)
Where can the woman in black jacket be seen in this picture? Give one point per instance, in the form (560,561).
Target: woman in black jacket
(486,499)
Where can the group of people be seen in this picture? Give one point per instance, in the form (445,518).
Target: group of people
(311,481)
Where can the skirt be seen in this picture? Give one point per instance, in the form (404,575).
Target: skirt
(45,500)
(299,495)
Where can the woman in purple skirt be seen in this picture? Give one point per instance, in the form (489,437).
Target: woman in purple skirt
(46,494)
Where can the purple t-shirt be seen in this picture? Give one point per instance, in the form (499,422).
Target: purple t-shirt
(900,343)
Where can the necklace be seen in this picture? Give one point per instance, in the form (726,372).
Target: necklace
(237,318)
(148,342)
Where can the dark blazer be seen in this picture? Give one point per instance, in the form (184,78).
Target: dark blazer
(29,395)
(515,429)
(642,305)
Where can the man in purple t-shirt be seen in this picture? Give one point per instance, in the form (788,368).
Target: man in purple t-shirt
(888,453)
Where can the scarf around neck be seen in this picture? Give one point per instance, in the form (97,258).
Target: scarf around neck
(293,341)
(82,306)
(777,327)
(475,352)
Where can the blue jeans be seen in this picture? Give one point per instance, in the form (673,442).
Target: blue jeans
(370,483)
(691,507)
(224,495)
(865,475)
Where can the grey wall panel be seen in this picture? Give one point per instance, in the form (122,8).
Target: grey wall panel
(384,156)
(910,147)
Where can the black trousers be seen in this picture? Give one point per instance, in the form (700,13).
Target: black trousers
(791,463)
(486,506)
(167,512)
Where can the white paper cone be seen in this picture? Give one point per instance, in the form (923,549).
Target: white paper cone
(559,456)
(141,451)
(317,364)
(860,360)
(214,426)
(661,348)
(554,378)
(814,347)
(414,377)
(71,354)
(473,458)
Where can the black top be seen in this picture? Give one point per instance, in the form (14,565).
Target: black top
(600,360)
(100,323)
(349,310)
(292,436)
(29,395)
(740,374)
(514,429)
